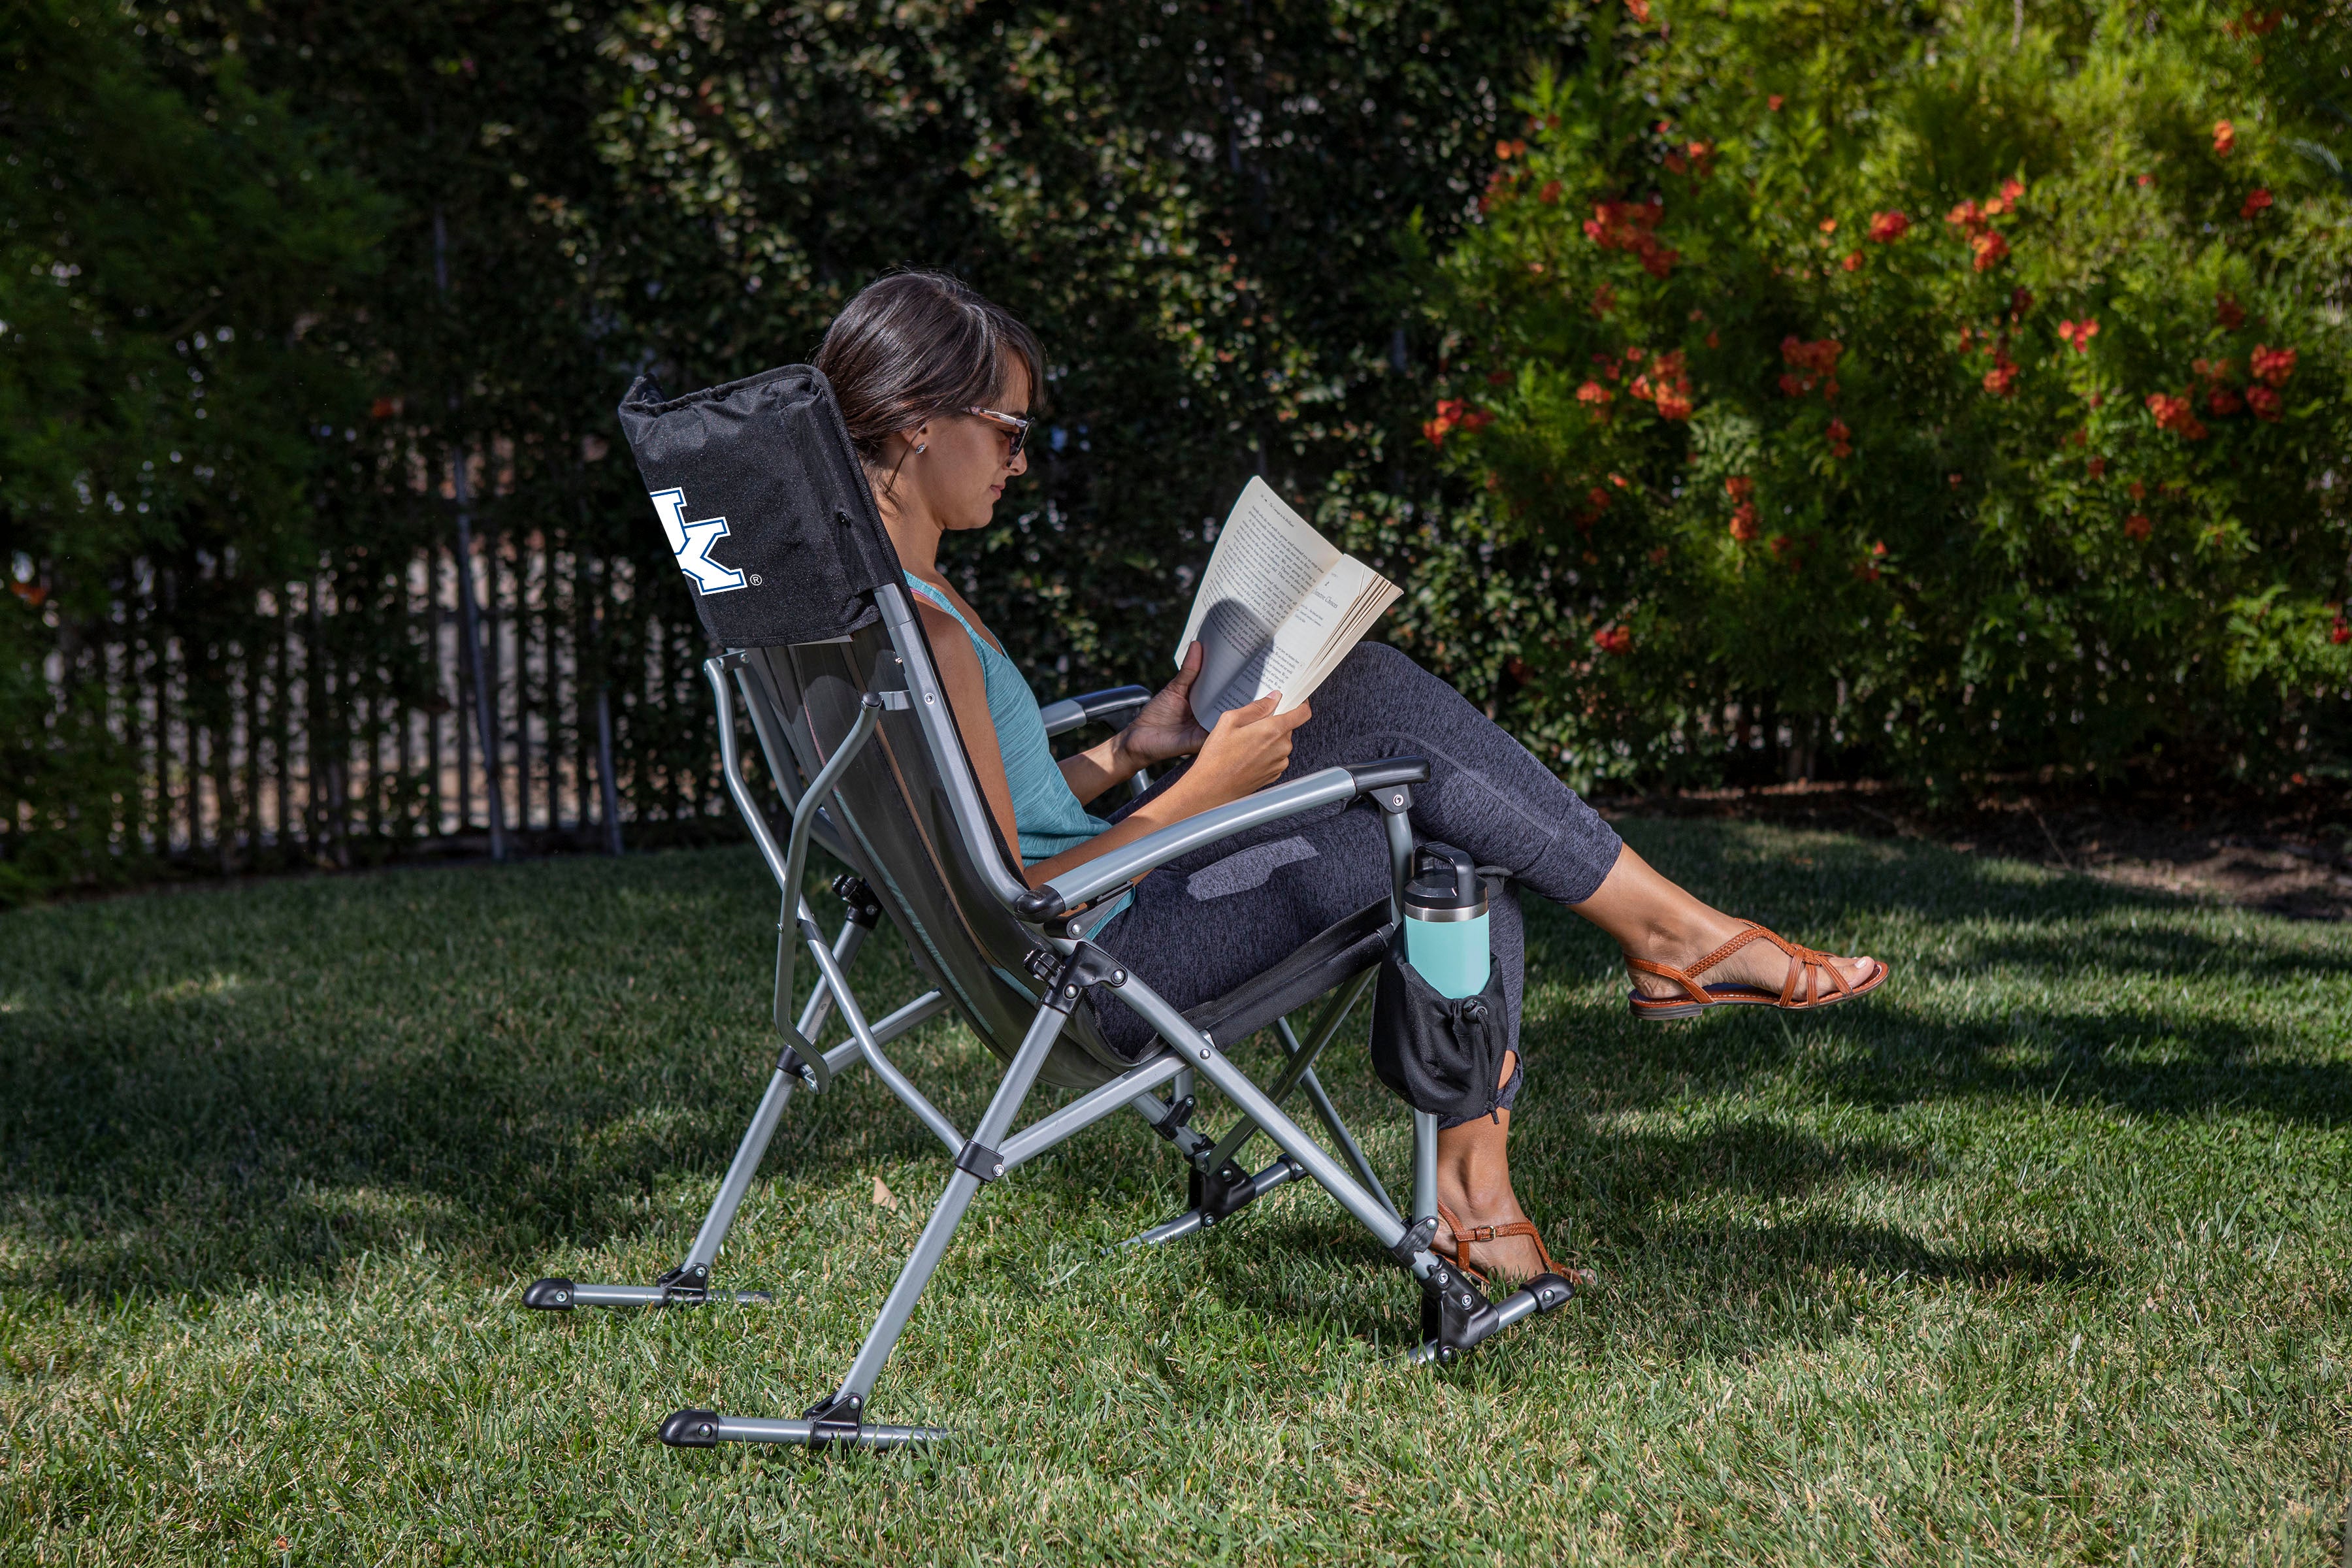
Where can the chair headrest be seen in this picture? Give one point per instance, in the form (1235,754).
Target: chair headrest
(765,504)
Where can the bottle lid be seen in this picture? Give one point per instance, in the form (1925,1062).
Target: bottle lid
(1446,886)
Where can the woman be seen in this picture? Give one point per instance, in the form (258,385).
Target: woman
(935,383)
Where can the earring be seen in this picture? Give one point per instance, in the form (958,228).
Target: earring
(922,446)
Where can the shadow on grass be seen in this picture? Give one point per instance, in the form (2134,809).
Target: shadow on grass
(204,1089)
(1619,1202)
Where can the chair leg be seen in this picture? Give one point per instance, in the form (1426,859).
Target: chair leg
(689,1283)
(839,1419)
(1218,1186)
(1457,1315)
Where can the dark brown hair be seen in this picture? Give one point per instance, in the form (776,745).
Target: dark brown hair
(915,344)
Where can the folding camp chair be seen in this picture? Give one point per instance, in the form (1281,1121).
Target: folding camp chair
(858,737)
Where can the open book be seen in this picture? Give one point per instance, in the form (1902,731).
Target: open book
(1277,610)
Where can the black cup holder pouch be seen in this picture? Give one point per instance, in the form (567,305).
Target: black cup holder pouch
(1438,1054)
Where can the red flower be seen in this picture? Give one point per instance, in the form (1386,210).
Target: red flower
(1840,439)
(1988,249)
(2098,467)
(2136,490)
(1599,498)
(2222,402)
(1852,263)
(2341,632)
(1615,639)
(1509,149)
(1739,487)
(2011,190)
(2137,526)
(1819,359)
(1549,193)
(2146,181)
(1968,215)
(2256,200)
(1595,397)
(1640,9)
(1449,415)
(1743,522)
(1887,227)
(2225,138)
(1774,102)
(2079,334)
(2173,414)
(2265,402)
(2228,312)
(382,408)
(2001,379)
(2272,365)
(1626,226)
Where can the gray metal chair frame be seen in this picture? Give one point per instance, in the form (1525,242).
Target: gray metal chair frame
(859,739)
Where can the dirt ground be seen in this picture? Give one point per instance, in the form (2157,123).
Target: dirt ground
(2287,857)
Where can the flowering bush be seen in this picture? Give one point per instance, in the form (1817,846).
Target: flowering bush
(1969,397)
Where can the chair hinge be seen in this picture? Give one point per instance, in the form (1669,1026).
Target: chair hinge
(835,1418)
(810,1069)
(1086,965)
(1169,1125)
(978,1159)
(865,909)
(1415,1240)
(683,1284)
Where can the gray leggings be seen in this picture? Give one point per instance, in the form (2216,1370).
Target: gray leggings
(1201,925)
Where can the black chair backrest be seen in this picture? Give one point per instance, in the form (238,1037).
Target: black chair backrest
(768,515)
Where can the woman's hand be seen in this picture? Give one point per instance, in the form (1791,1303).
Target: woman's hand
(1247,752)
(1164,727)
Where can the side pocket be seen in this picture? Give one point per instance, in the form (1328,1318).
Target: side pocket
(1436,1053)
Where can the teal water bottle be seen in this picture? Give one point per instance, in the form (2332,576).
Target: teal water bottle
(1446,922)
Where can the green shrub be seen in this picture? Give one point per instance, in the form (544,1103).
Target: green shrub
(1934,390)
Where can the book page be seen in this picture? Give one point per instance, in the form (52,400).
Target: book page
(1267,561)
(1343,606)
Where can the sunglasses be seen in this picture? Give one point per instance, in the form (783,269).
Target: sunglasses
(1015,429)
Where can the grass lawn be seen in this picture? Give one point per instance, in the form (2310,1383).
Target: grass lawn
(2044,1255)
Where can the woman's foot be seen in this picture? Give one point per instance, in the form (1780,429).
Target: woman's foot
(1516,1258)
(1761,963)
(1658,921)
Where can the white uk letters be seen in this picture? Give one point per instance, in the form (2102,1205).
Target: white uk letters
(691,543)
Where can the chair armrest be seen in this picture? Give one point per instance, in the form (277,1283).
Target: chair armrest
(1092,706)
(1083,884)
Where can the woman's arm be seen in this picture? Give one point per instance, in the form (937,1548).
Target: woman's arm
(1247,752)
(1165,728)
(967,693)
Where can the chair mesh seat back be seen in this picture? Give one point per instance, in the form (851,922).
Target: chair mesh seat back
(895,823)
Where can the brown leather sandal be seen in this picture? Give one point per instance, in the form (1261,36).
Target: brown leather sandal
(1582,1279)
(1803,989)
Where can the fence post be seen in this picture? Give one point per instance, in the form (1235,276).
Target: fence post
(485,700)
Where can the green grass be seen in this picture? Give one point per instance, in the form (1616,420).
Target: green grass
(2042,1256)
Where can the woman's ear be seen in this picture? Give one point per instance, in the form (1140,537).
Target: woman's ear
(921,437)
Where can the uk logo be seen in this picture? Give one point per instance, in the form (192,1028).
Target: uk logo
(691,543)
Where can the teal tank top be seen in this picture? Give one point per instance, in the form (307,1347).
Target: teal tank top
(1049,815)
